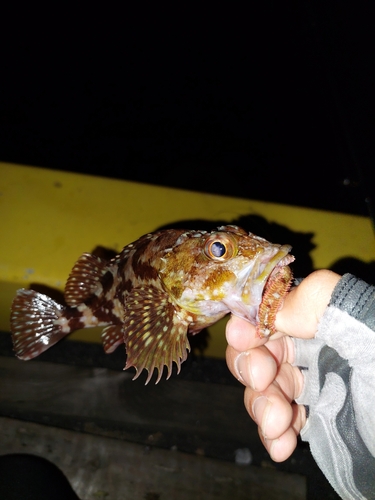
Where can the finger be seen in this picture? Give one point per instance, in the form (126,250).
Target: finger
(272,408)
(241,334)
(255,368)
(290,381)
(283,446)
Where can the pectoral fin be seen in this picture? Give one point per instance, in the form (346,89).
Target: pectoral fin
(155,333)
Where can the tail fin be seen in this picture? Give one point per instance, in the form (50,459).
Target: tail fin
(33,323)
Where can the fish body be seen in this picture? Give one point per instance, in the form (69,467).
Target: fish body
(159,289)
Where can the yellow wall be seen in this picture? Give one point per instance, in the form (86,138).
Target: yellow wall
(49,218)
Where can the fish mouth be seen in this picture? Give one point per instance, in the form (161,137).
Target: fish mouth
(259,280)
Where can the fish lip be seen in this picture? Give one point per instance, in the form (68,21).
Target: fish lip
(257,279)
(283,262)
(280,259)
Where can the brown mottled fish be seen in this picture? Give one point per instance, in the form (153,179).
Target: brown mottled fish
(159,289)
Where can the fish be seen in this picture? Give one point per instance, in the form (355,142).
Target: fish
(156,292)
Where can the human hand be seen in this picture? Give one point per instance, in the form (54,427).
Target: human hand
(265,366)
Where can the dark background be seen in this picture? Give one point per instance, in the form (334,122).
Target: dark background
(267,100)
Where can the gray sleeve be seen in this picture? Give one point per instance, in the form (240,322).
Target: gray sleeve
(355,297)
(339,390)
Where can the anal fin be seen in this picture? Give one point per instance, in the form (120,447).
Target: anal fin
(112,337)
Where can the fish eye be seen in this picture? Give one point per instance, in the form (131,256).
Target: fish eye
(220,247)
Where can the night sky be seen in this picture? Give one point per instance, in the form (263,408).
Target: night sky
(266,100)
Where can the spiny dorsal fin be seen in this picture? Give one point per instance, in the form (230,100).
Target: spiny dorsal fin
(155,336)
(33,323)
(84,279)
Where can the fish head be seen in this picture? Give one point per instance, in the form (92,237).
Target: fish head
(225,271)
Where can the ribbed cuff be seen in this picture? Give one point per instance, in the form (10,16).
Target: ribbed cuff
(357,298)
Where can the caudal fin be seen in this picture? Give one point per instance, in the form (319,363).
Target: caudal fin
(33,323)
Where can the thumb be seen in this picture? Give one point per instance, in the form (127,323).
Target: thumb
(305,304)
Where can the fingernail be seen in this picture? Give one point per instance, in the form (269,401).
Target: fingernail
(243,370)
(261,409)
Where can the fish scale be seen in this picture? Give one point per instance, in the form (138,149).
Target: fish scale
(159,290)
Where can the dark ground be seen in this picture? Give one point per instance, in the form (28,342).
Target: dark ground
(272,101)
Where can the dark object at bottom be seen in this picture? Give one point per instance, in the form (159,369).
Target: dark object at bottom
(30,477)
